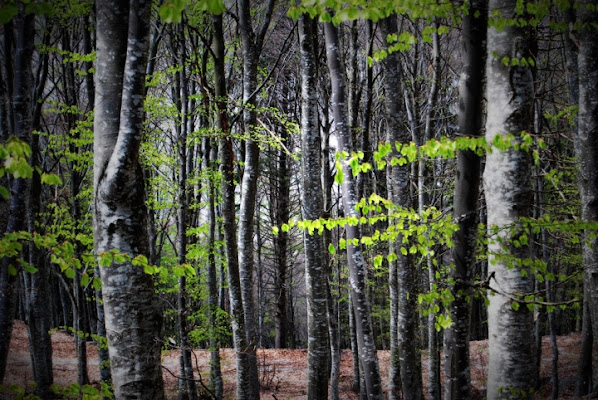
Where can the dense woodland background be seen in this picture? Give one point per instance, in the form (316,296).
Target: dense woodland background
(407,175)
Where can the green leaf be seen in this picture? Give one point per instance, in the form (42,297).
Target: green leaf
(172,11)
(105,259)
(120,258)
(215,7)
(331,249)
(515,305)
(96,283)
(84,279)
(8,12)
(339,177)
(51,179)
(70,273)
(4,192)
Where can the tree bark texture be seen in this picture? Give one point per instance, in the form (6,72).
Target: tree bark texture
(586,146)
(133,317)
(20,124)
(251,49)
(398,189)
(465,204)
(507,182)
(355,259)
(312,200)
(229,226)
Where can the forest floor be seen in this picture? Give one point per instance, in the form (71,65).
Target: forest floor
(283,371)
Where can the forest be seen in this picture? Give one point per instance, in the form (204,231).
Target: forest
(401,175)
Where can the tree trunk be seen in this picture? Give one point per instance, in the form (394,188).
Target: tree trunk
(465,204)
(215,370)
(398,189)
(510,92)
(133,316)
(244,380)
(586,147)
(312,201)
(21,125)
(37,289)
(355,259)
(252,47)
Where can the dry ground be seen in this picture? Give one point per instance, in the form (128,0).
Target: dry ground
(284,372)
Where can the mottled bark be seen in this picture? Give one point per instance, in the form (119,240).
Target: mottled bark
(465,204)
(312,208)
(133,317)
(510,92)
(355,259)
(586,147)
(398,189)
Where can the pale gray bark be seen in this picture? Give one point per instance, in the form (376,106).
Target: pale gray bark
(465,205)
(586,145)
(312,208)
(510,91)
(133,317)
(355,259)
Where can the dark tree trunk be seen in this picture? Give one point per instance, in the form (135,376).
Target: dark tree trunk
(21,125)
(242,347)
(465,205)
(312,208)
(586,146)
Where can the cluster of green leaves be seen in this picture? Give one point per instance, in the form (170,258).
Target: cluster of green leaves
(85,392)
(171,11)
(337,11)
(10,9)
(13,161)
(73,391)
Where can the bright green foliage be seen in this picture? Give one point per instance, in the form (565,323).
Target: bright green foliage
(172,10)
(13,160)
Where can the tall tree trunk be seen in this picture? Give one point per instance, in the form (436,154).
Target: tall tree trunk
(398,189)
(133,317)
(282,214)
(586,147)
(186,383)
(252,47)
(510,92)
(465,204)
(312,201)
(38,291)
(20,123)
(355,259)
(244,380)
(211,152)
